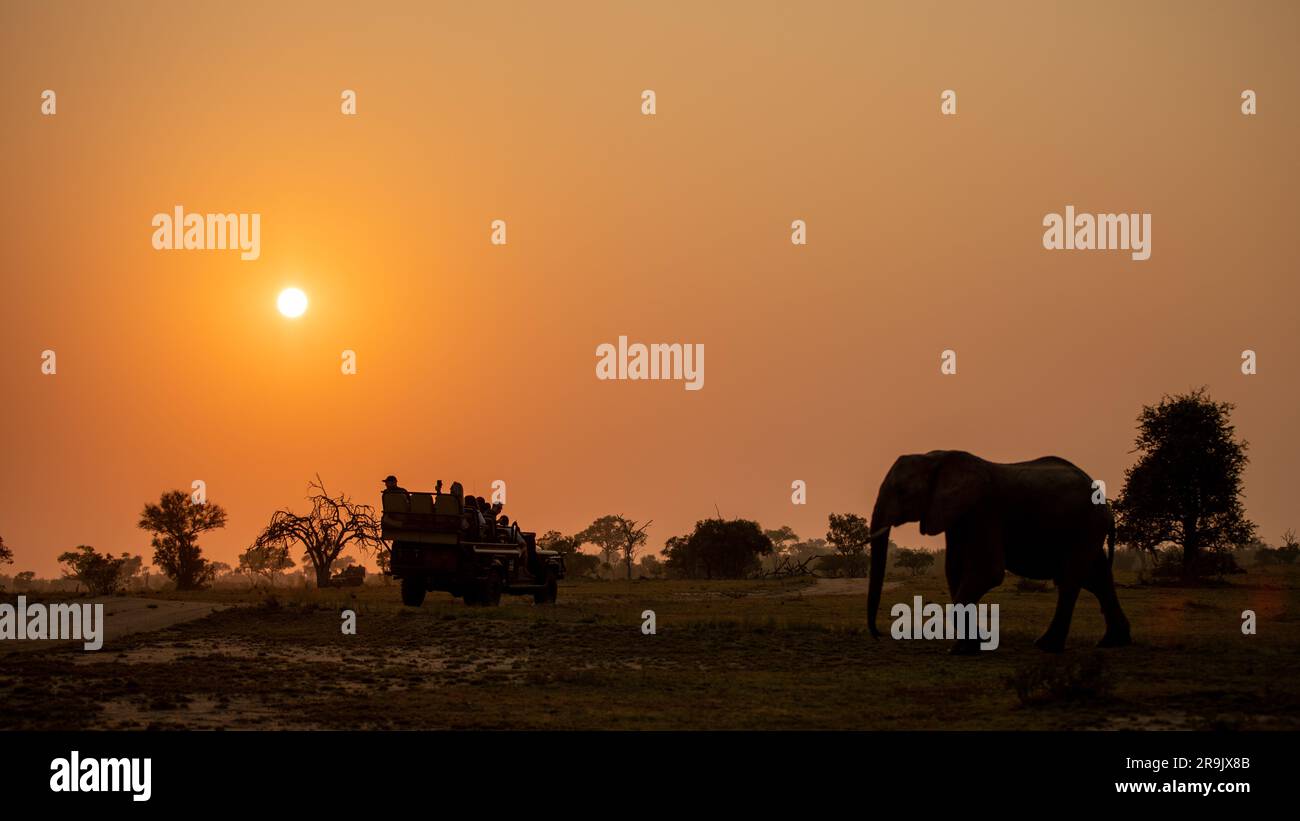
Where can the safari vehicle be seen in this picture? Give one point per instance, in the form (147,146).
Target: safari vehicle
(354,576)
(442,541)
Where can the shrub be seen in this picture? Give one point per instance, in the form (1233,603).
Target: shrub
(1059,680)
(1168,564)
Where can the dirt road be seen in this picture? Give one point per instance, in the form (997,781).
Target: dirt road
(124,615)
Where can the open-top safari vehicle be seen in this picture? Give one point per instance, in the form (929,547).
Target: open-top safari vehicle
(445,541)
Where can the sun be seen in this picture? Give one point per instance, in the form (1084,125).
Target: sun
(292,303)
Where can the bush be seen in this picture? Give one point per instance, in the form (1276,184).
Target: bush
(840,565)
(1168,564)
(1058,680)
(1286,554)
(917,561)
(100,573)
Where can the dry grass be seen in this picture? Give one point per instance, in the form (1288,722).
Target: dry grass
(727,655)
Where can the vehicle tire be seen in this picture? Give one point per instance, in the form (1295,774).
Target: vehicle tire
(549,591)
(491,593)
(412,591)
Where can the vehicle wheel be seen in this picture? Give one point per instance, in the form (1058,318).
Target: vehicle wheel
(549,590)
(492,589)
(412,592)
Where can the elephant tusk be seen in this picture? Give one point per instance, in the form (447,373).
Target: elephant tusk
(878,532)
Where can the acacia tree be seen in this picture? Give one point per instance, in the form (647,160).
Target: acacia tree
(783,538)
(100,573)
(265,561)
(334,523)
(616,534)
(1185,488)
(176,523)
(6,555)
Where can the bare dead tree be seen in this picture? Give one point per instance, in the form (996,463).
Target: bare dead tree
(334,523)
(790,567)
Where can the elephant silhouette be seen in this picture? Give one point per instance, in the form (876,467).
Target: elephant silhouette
(1037,519)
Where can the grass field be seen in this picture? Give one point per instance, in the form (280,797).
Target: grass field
(751,654)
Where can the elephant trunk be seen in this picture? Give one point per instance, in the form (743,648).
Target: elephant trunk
(879,554)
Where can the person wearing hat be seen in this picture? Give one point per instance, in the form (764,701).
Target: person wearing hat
(391,486)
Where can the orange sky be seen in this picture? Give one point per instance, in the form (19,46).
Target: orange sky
(477,362)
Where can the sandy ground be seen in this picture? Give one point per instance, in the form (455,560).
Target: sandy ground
(123,616)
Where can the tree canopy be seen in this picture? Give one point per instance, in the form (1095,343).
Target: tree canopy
(176,523)
(333,524)
(100,573)
(848,534)
(1186,485)
(616,535)
(718,549)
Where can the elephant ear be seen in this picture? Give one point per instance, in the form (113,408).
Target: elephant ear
(958,487)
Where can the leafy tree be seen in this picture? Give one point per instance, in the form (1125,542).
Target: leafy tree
(801,551)
(718,548)
(24,579)
(782,539)
(131,568)
(651,567)
(848,535)
(557,541)
(176,524)
(918,561)
(1186,487)
(6,554)
(616,534)
(100,573)
(576,563)
(266,561)
(333,524)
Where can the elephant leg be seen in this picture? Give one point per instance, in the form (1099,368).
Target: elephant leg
(953,571)
(1101,584)
(1067,593)
(974,565)
(970,591)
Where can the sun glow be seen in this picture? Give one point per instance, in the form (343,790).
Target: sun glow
(292,302)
